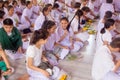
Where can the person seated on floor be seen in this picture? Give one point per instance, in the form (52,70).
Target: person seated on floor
(5,67)
(104,37)
(10,37)
(66,38)
(85,3)
(36,61)
(103,63)
(34,56)
(12,15)
(26,18)
(41,18)
(50,26)
(76,26)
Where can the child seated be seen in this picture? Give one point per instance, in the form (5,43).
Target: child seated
(11,36)
(66,38)
(26,18)
(36,61)
(34,56)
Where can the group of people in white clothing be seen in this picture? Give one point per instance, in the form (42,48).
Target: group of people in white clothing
(57,28)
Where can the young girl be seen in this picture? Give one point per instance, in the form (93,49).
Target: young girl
(86,11)
(85,3)
(108,15)
(5,4)
(103,62)
(16,8)
(26,15)
(34,56)
(77,29)
(12,15)
(51,47)
(22,6)
(36,9)
(105,37)
(49,17)
(66,40)
(41,18)
(55,13)
(88,14)
(50,44)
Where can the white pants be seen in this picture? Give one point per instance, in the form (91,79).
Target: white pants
(82,36)
(77,46)
(34,75)
(61,52)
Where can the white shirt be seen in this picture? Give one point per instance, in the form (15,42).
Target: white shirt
(39,21)
(91,5)
(26,12)
(6,11)
(35,53)
(35,8)
(74,25)
(107,36)
(15,19)
(66,40)
(16,9)
(117,5)
(102,63)
(105,7)
(21,8)
(49,45)
(61,5)
(56,15)
(68,2)
(100,25)
(51,2)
